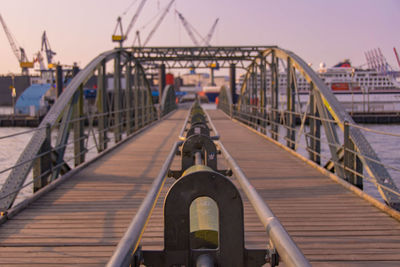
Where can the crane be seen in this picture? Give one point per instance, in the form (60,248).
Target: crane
(189,28)
(24,63)
(210,33)
(166,10)
(122,37)
(49,53)
(397,56)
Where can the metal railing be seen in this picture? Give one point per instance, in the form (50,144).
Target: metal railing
(321,156)
(301,130)
(72,129)
(129,243)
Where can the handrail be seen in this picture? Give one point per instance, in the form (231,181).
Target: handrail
(287,249)
(130,241)
(182,132)
(321,102)
(355,152)
(68,111)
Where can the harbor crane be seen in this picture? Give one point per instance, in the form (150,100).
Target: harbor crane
(19,52)
(210,33)
(49,53)
(397,55)
(191,30)
(159,21)
(121,37)
(206,41)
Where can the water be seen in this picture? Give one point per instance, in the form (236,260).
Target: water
(13,146)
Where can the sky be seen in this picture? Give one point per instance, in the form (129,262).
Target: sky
(316,30)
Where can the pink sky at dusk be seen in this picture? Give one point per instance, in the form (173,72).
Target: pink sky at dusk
(316,30)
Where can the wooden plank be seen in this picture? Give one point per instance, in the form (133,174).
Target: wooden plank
(81,222)
(319,214)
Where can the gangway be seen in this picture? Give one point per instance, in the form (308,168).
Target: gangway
(84,209)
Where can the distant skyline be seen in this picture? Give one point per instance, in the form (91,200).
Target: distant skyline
(316,30)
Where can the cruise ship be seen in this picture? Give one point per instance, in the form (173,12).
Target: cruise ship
(359,90)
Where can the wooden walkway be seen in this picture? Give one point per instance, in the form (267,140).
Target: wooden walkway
(81,221)
(331,225)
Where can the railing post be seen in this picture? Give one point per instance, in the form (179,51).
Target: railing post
(331,135)
(315,129)
(290,105)
(274,96)
(102,106)
(263,94)
(117,98)
(232,81)
(350,160)
(44,163)
(78,124)
(161,81)
(142,102)
(79,147)
(128,97)
(136,96)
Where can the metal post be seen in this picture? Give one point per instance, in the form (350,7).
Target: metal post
(117,98)
(102,106)
(149,103)
(142,93)
(43,164)
(136,96)
(315,129)
(79,146)
(263,94)
(232,82)
(212,76)
(290,105)
(128,97)
(275,96)
(330,132)
(350,159)
(161,82)
(59,80)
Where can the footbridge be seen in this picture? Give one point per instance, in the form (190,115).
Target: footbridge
(261,178)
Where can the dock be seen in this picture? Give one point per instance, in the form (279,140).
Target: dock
(131,204)
(81,221)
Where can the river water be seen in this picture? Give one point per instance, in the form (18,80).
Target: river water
(387,148)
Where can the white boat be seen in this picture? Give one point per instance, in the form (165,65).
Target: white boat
(359,90)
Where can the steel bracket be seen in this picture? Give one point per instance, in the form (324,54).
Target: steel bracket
(177,246)
(137,258)
(272,256)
